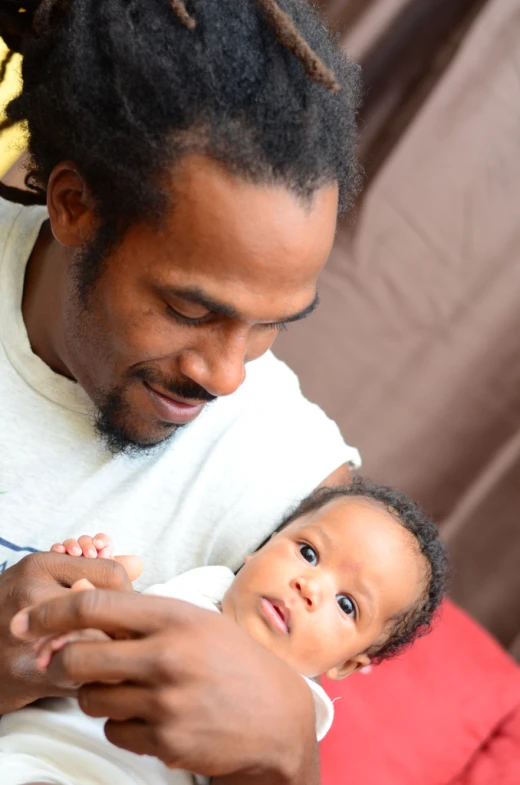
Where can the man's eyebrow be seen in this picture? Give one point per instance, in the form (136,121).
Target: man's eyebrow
(195,294)
(297,317)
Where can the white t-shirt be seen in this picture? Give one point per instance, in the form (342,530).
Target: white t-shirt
(56,743)
(209,496)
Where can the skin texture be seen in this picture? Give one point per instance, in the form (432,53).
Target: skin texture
(142,324)
(36,578)
(338,576)
(340,573)
(178,672)
(264,271)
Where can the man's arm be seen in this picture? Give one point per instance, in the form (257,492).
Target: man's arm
(307,772)
(340,476)
(183,684)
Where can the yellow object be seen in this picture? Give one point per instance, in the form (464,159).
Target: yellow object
(12,141)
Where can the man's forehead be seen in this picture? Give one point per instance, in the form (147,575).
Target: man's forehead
(205,192)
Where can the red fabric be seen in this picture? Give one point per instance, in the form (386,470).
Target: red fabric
(498,761)
(446,710)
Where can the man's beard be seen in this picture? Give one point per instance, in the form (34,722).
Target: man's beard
(113,421)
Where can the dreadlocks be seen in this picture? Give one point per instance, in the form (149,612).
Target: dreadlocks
(125,88)
(287,35)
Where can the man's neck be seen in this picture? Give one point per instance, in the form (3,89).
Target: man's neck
(42,305)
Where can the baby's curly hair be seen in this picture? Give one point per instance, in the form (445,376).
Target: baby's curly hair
(405,628)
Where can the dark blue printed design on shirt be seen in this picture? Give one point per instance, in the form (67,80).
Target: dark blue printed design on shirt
(11,553)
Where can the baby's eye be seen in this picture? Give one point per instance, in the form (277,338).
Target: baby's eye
(308,553)
(346,604)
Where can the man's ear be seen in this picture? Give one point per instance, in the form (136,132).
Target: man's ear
(70,205)
(348,667)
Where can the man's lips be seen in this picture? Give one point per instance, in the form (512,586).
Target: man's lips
(277,614)
(173,410)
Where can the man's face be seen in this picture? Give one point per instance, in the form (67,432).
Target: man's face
(178,311)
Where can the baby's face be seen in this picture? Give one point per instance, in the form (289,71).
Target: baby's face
(325,588)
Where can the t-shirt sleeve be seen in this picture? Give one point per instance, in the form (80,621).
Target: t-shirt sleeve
(312,441)
(288,447)
(323,709)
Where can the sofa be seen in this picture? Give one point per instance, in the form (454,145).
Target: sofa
(414,352)
(445,713)
(416,338)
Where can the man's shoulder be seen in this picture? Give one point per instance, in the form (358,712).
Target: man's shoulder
(17,221)
(9,213)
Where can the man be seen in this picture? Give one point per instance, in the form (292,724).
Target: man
(192,159)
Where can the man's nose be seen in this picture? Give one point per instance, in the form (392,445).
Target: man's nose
(219,365)
(309,589)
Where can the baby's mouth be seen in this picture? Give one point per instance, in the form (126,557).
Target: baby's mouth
(277,614)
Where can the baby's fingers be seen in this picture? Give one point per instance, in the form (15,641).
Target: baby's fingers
(87,546)
(104,546)
(72,547)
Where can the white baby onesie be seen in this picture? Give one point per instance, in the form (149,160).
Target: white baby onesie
(54,742)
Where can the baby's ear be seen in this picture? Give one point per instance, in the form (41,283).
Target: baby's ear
(348,667)
(248,558)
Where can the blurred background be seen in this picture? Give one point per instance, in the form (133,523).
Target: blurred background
(414,350)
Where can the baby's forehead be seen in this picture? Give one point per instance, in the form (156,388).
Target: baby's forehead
(344,510)
(365,531)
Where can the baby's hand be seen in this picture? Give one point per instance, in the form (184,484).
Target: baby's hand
(98,547)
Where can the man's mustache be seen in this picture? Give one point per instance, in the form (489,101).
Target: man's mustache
(184,388)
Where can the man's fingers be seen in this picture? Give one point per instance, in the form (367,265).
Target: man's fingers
(43,591)
(60,568)
(122,702)
(102,661)
(134,735)
(120,614)
(147,738)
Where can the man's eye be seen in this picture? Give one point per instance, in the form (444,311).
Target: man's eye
(278,326)
(346,604)
(309,554)
(193,320)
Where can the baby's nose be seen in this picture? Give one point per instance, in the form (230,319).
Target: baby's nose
(309,591)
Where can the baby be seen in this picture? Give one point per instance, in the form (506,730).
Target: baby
(350,578)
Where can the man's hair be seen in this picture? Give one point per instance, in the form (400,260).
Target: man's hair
(418,620)
(126,88)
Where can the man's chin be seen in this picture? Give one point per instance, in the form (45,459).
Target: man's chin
(122,441)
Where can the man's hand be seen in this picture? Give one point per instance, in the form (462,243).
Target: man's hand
(194,690)
(37,578)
